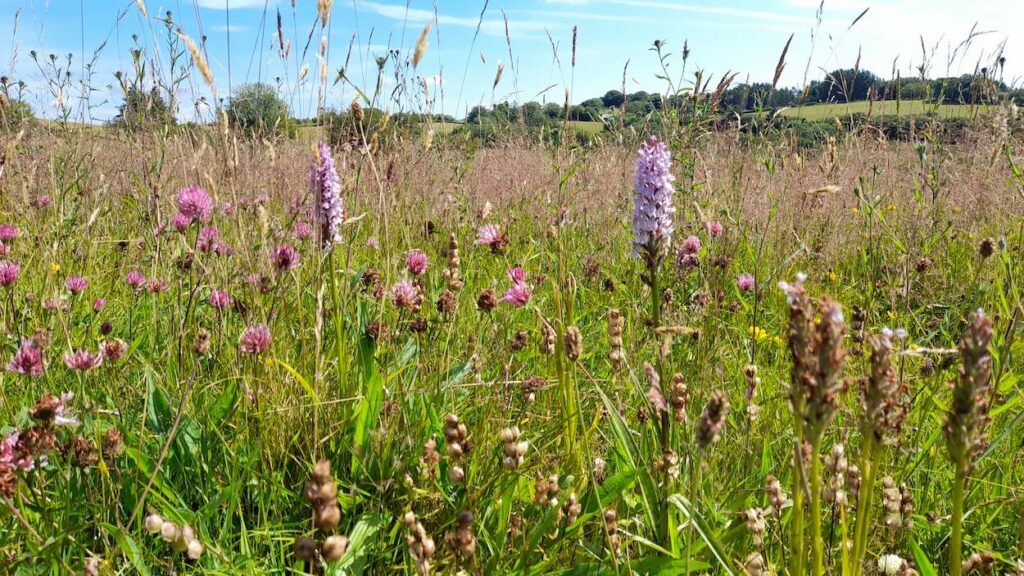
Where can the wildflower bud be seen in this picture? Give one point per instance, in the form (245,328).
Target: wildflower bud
(322,472)
(755,565)
(966,423)
(194,550)
(753,519)
(530,387)
(836,465)
(154,524)
(777,499)
(327,517)
(572,509)
(978,562)
(616,322)
(487,300)
(753,383)
(679,397)
(987,247)
(169,532)
(456,475)
(463,540)
(598,470)
(545,489)
(548,338)
(712,420)
(891,503)
(334,548)
(304,549)
(573,343)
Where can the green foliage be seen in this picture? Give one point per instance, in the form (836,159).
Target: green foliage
(143,110)
(257,111)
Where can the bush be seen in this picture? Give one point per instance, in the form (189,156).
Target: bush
(258,112)
(143,110)
(14,113)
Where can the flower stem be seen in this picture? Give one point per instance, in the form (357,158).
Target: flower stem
(869,461)
(817,550)
(799,552)
(956,538)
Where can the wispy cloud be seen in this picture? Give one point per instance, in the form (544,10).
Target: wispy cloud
(489,26)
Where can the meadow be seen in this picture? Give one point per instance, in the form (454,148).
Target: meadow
(682,346)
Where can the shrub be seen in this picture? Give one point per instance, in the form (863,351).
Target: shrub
(258,112)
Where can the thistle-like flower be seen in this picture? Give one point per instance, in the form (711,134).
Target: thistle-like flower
(330,210)
(652,214)
(9,272)
(255,339)
(416,262)
(83,360)
(28,360)
(195,204)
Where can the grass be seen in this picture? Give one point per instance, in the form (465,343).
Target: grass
(201,377)
(883,108)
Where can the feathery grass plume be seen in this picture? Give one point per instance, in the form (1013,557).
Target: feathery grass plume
(142,8)
(966,423)
(323,10)
(198,58)
(421,44)
(326,186)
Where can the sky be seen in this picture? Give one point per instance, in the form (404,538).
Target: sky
(465,50)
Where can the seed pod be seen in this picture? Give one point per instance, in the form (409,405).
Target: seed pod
(334,548)
(304,548)
(327,517)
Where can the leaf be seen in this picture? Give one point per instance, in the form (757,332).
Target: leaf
(923,564)
(224,405)
(360,545)
(698,523)
(302,381)
(159,414)
(129,547)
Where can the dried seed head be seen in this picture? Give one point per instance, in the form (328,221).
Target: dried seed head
(712,420)
(616,322)
(966,423)
(573,343)
(304,548)
(548,338)
(334,547)
(885,402)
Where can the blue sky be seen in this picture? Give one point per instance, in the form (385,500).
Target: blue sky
(739,35)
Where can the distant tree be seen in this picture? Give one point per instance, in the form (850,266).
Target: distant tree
(476,114)
(143,110)
(612,99)
(553,111)
(593,104)
(257,111)
(14,112)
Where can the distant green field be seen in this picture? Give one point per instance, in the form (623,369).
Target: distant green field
(588,127)
(884,108)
